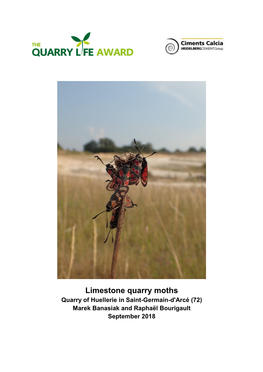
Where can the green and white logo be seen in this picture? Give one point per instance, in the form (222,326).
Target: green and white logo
(42,52)
(80,42)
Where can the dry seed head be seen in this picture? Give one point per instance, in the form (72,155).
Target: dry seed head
(124,158)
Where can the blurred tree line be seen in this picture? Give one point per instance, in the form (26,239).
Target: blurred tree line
(107,145)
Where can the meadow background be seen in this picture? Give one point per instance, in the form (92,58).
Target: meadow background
(163,238)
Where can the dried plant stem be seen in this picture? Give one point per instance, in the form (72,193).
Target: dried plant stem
(94,248)
(64,225)
(176,209)
(117,238)
(72,251)
(168,238)
(126,267)
(184,224)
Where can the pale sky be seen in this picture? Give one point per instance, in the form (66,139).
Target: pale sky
(166,114)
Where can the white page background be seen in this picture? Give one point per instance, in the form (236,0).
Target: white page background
(39,332)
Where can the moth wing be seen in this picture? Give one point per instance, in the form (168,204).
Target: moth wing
(144,175)
(129,202)
(134,181)
(111,186)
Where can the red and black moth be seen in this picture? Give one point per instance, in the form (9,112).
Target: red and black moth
(114,205)
(143,167)
(128,169)
(121,175)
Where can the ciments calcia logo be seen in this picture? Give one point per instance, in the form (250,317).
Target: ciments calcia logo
(172,47)
(194,44)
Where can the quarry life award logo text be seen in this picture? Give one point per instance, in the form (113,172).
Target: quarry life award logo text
(80,50)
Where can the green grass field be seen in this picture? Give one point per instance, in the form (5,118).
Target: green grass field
(163,238)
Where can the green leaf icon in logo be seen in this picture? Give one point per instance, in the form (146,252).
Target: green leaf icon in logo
(80,42)
(75,38)
(86,36)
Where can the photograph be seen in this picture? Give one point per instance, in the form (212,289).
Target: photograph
(131,180)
